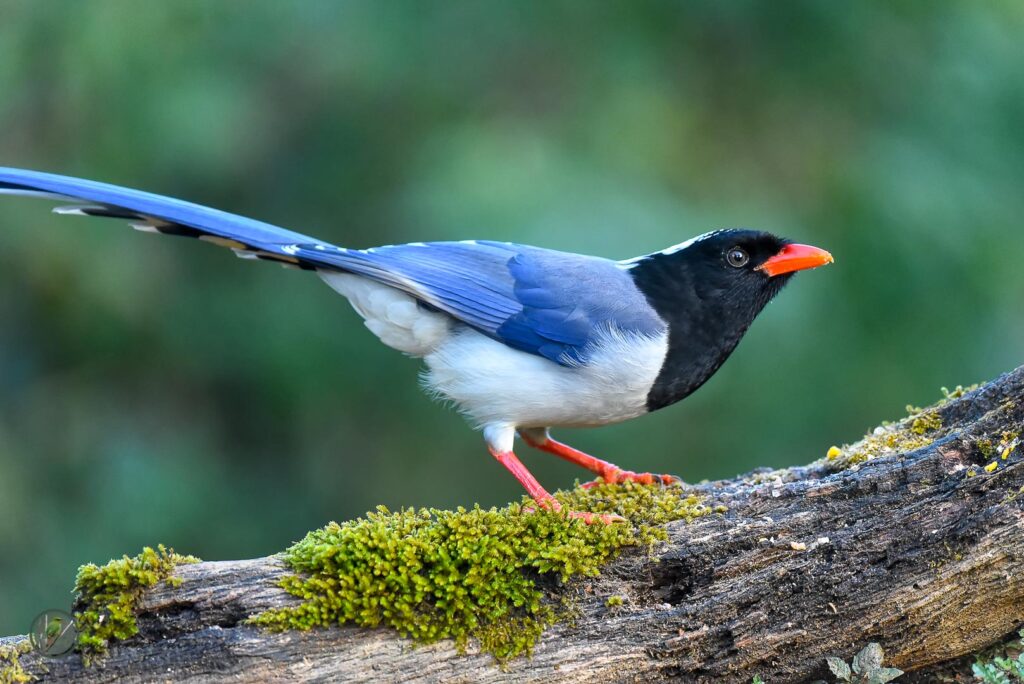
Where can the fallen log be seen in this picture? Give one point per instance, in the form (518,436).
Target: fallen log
(912,538)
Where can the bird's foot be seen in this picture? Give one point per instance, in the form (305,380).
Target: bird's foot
(542,497)
(609,472)
(587,517)
(619,476)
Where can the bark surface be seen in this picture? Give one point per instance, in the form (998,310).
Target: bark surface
(922,552)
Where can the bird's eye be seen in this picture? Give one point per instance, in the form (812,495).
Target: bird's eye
(736,257)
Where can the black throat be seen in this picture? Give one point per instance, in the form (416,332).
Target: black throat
(707,310)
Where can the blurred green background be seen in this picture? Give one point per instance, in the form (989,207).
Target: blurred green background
(160,390)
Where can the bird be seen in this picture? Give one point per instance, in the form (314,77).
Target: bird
(520,339)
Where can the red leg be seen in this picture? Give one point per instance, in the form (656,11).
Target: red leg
(609,472)
(541,495)
(526,478)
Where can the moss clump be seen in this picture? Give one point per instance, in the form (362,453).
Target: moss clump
(884,440)
(918,430)
(11,670)
(957,392)
(985,446)
(909,434)
(925,422)
(997,448)
(106,596)
(467,574)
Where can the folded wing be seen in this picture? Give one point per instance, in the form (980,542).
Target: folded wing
(549,303)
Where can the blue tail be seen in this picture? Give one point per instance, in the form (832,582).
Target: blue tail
(156,213)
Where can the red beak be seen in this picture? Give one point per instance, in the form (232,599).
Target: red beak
(795,258)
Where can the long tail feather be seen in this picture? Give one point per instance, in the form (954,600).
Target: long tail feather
(155,213)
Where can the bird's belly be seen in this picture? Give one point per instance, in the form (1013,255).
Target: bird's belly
(493,383)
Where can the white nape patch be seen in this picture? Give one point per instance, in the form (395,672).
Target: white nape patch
(392,315)
(668,251)
(683,245)
(290,249)
(494,385)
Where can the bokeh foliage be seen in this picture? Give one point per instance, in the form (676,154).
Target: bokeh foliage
(158,390)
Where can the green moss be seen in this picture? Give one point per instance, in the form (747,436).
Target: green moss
(927,421)
(614,601)
(1013,496)
(997,447)
(913,432)
(11,670)
(957,392)
(467,574)
(884,440)
(106,596)
(916,431)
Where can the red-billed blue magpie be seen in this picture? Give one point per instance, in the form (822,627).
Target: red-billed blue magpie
(519,338)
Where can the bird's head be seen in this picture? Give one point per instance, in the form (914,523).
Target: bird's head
(735,268)
(708,291)
(750,265)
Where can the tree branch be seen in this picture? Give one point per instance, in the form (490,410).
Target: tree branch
(922,552)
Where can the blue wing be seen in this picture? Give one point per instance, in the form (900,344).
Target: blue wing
(553,304)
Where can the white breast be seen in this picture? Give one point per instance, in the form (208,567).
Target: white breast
(495,385)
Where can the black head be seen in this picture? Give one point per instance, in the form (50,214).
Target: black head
(728,264)
(708,291)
